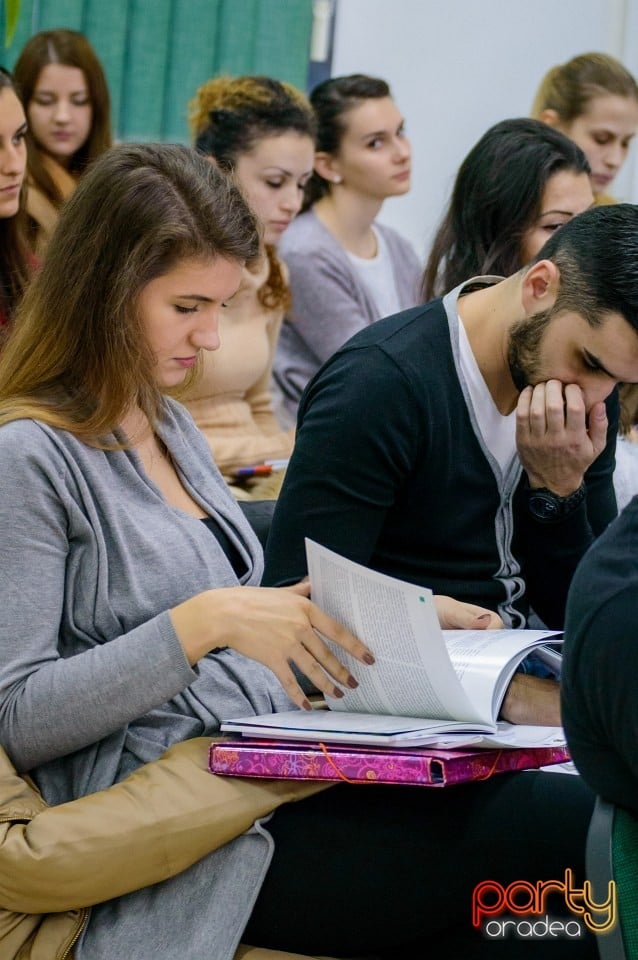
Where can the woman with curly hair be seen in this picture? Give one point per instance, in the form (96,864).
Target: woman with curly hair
(261,132)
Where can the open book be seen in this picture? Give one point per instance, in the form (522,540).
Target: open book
(427,684)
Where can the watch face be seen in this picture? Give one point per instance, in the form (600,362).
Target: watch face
(544,507)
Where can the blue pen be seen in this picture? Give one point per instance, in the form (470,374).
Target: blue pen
(261,470)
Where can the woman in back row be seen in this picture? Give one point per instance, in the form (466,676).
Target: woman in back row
(593,99)
(346,270)
(66,98)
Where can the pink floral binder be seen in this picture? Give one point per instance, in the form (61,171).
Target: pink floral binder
(244,757)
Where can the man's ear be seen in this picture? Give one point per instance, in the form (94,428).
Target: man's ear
(539,287)
(551,118)
(327,166)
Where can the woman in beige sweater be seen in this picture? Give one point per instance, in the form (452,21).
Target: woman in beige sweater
(262,131)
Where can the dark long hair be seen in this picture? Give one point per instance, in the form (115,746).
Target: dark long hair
(332,100)
(496,198)
(16,262)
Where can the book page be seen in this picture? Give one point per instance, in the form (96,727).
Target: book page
(334,726)
(413,675)
(521,735)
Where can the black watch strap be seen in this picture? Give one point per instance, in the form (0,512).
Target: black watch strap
(548,507)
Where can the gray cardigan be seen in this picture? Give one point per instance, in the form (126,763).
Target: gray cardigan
(330,303)
(93,679)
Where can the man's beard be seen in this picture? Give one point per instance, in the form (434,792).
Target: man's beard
(523,349)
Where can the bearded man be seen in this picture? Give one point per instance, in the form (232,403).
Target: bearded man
(468,445)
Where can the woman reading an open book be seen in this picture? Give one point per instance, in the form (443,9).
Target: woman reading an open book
(133,621)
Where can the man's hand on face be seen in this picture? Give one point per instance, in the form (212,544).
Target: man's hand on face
(555,437)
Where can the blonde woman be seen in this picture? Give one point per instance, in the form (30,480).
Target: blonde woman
(592,99)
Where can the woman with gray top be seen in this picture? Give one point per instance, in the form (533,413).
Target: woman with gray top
(346,270)
(132,619)
(103,651)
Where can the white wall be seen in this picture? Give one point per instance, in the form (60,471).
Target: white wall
(458,66)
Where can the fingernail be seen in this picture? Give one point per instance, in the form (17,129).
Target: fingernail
(484,617)
(368,657)
(306,705)
(352,683)
(338,693)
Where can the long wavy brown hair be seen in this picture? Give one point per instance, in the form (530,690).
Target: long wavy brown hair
(70,49)
(496,197)
(78,357)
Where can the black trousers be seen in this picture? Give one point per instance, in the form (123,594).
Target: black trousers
(390,870)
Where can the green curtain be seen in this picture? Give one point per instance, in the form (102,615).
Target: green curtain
(157,53)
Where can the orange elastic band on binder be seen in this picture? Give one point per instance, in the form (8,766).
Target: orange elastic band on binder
(339,773)
(493,768)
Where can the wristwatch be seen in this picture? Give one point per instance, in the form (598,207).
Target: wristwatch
(546,505)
